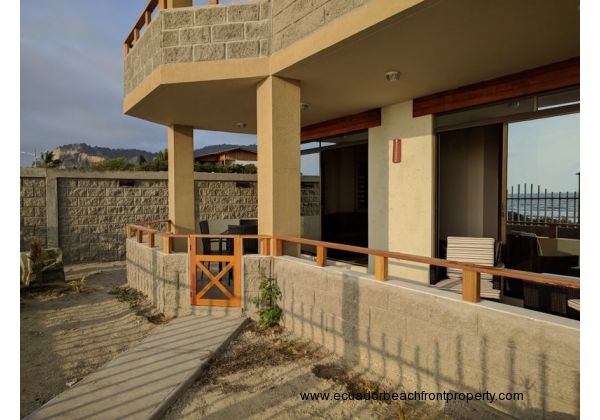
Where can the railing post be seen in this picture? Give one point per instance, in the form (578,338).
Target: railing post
(191,266)
(278,248)
(147,17)
(237,266)
(139,234)
(151,239)
(321,256)
(136,34)
(128,231)
(125,49)
(162,4)
(167,244)
(471,286)
(169,226)
(381,268)
(265,244)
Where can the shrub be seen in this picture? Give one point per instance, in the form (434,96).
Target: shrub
(266,302)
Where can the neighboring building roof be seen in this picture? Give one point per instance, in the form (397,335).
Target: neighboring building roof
(222,148)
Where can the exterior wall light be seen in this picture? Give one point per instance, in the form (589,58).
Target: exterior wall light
(304,106)
(241,125)
(392,76)
(396,150)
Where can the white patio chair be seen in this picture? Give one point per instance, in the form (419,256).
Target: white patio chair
(574,304)
(480,251)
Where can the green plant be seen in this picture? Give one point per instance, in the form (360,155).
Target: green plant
(266,302)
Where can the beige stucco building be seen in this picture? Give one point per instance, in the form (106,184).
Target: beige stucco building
(358,74)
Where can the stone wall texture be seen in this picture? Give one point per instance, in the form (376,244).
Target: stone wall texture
(93,208)
(161,277)
(294,19)
(203,33)
(424,339)
(92,214)
(226,32)
(33,210)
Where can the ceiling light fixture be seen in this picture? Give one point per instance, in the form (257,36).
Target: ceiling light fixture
(392,76)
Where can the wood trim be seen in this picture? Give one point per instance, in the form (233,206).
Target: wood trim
(342,125)
(533,81)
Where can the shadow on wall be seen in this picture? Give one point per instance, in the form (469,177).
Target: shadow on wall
(433,344)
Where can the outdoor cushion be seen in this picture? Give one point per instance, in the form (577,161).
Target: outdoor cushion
(480,251)
(455,285)
(574,304)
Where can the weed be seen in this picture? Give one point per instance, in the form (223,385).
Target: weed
(266,302)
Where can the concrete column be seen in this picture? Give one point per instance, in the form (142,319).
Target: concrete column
(51,209)
(181,178)
(402,195)
(278,138)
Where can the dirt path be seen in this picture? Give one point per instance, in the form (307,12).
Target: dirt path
(65,335)
(260,376)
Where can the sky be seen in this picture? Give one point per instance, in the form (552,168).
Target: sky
(72,80)
(544,152)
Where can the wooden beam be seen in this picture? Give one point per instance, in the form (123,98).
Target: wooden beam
(529,82)
(343,125)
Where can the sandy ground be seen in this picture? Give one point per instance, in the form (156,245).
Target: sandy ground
(261,375)
(66,335)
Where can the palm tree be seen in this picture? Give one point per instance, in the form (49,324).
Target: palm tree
(48,160)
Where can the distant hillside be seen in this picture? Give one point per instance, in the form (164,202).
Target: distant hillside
(83,155)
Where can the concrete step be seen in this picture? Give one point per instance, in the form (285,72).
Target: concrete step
(144,381)
(216,311)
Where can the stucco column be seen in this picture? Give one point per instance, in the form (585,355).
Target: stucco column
(181,178)
(278,138)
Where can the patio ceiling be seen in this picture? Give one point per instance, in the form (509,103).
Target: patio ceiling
(437,45)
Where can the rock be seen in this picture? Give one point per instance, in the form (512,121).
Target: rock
(48,269)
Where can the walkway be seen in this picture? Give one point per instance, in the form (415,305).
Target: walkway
(142,382)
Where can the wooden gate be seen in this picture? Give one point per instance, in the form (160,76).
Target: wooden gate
(214,292)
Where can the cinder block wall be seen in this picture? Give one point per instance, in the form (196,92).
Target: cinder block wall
(294,19)
(161,277)
(85,213)
(192,34)
(424,339)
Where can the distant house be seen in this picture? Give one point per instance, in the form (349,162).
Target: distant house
(228,155)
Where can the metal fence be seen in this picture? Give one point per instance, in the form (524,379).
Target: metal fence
(528,206)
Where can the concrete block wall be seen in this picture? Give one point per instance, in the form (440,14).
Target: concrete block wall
(162,277)
(85,212)
(294,19)
(424,339)
(225,32)
(92,214)
(33,209)
(206,33)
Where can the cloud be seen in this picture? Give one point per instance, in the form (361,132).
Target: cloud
(72,78)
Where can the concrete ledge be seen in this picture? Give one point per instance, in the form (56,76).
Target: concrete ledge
(142,175)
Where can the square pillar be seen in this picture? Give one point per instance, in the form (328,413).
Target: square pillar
(181,178)
(278,140)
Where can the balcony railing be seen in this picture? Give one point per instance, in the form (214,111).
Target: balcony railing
(273,245)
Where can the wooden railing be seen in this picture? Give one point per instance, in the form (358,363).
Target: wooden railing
(144,20)
(273,245)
